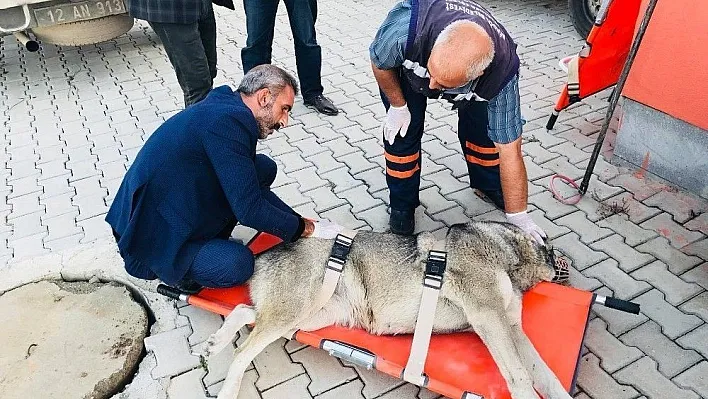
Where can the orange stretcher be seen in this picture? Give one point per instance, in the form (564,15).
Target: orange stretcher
(458,365)
(599,64)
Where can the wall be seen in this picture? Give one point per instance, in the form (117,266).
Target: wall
(664,123)
(667,147)
(670,72)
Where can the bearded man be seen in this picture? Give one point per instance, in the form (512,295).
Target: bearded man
(198,176)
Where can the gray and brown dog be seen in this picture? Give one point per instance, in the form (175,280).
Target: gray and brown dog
(489,266)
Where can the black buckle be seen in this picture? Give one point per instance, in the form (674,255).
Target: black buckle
(342,246)
(335,264)
(435,269)
(340,250)
(437,261)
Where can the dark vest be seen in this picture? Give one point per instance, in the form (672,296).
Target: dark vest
(428,19)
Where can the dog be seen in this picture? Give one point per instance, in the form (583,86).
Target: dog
(489,266)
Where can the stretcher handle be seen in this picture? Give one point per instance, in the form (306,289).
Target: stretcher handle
(619,304)
(169,292)
(625,306)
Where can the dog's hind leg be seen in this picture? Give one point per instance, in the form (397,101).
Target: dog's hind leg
(239,317)
(544,379)
(334,312)
(263,334)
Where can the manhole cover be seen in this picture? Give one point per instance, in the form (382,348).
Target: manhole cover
(68,340)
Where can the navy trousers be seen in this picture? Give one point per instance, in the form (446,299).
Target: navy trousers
(260,26)
(403,163)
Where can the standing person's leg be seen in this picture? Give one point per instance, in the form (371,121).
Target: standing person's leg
(207,30)
(308,54)
(403,164)
(260,27)
(220,263)
(480,153)
(184,47)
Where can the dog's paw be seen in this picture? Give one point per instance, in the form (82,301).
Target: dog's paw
(215,344)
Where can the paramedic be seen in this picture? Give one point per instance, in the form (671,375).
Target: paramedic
(454,50)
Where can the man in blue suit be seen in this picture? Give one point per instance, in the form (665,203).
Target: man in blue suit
(197,176)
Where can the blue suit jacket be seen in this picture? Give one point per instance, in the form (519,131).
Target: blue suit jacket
(193,176)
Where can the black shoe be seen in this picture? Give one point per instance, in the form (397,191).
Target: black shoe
(493,196)
(189,287)
(402,222)
(323,105)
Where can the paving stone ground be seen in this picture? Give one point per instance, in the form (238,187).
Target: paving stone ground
(74,119)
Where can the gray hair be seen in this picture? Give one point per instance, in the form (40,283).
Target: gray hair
(478,66)
(269,77)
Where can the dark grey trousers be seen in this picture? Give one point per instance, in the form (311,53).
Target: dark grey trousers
(191,49)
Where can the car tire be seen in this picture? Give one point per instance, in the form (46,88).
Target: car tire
(583,14)
(85,32)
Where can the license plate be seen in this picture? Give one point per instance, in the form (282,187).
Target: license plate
(65,13)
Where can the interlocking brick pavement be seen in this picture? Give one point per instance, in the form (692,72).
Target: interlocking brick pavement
(74,119)
(671,358)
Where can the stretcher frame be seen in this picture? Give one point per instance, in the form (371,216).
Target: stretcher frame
(458,365)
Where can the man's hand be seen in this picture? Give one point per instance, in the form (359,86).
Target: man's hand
(397,120)
(321,229)
(523,221)
(326,229)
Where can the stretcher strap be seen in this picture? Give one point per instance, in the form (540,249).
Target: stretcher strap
(573,79)
(432,282)
(335,266)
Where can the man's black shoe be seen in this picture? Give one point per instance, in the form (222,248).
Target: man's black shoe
(494,196)
(323,105)
(402,222)
(189,287)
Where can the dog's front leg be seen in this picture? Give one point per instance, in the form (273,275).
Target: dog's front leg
(239,317)
(494,329)
(256,342)
(544,379)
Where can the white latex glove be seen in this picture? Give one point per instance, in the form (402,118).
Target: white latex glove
(523,221)
(397,120)
(326,229)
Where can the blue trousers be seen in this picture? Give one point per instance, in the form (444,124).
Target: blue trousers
(260,26)
(403,163)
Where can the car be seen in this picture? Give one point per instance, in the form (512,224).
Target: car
(583,14)
(64,22)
